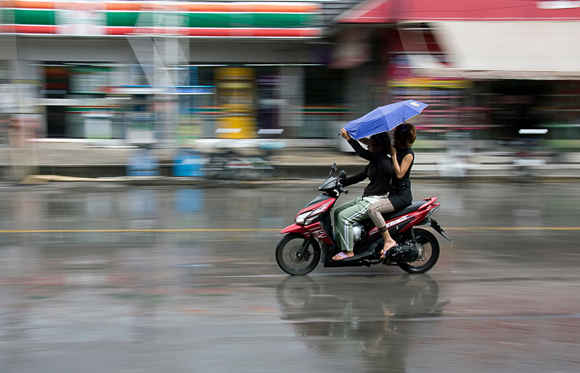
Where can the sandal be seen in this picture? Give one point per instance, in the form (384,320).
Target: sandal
(340,256)
(385,252)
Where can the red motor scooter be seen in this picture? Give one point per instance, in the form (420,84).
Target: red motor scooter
(311,239)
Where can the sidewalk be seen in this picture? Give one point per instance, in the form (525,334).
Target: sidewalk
(437,165)
(80,161)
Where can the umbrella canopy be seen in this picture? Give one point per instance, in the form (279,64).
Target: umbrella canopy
(384,118)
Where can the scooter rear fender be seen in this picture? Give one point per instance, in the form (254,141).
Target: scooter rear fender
(436,226)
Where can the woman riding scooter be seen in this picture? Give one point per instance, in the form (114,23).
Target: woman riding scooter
(402,158)
(378,171)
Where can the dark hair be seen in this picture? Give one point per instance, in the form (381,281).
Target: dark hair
(405,135)
(383,140)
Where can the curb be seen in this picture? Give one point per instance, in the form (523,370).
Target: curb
(289,179)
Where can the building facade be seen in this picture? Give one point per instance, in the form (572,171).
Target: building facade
(173,72)
(491,71)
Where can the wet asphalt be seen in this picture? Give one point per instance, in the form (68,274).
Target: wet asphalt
(115,278)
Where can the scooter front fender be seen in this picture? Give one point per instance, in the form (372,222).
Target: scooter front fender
(295,228)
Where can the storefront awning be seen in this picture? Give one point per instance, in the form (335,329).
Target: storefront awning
(506,50)
(490,10)
(390,11)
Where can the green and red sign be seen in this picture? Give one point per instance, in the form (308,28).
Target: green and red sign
(207,19)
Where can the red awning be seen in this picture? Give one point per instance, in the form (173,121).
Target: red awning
(390,11)
(370,11)
(490,10)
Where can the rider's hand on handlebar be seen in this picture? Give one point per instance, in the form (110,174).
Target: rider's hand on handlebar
(339,186)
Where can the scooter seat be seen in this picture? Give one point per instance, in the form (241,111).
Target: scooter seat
(414,206)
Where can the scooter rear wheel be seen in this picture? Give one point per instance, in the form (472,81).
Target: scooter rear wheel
(287,257)
(430,246)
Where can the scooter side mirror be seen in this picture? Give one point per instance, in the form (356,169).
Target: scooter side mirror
(332,169)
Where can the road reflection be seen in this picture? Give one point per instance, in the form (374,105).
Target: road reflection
(377,322)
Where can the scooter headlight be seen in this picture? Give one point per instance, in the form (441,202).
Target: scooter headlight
(309,217)
(305,218)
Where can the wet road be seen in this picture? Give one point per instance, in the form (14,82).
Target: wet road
(108,278)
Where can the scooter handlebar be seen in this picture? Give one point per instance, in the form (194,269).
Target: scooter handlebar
(341,176)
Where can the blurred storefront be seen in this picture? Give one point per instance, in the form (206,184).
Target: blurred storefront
(144,72)
(493,71)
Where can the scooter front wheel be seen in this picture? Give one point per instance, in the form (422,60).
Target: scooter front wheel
(288,255)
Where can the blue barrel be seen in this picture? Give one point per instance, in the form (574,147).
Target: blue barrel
(143,163)
(188,163)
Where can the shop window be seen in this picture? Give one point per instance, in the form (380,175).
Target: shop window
(56,81)
(323,86)
(323,101)
(268,83)
(56,121)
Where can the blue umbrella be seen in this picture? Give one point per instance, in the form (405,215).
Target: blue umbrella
(384,118)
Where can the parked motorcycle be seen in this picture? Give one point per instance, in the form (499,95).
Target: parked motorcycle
(230,165)
(311,239)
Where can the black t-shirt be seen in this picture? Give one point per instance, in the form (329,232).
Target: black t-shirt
(405,181)
(401,195)
(379,171)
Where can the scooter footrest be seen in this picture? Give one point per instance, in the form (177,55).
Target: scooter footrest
(356,257)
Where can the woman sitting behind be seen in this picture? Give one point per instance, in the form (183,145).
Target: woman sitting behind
(402,157)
